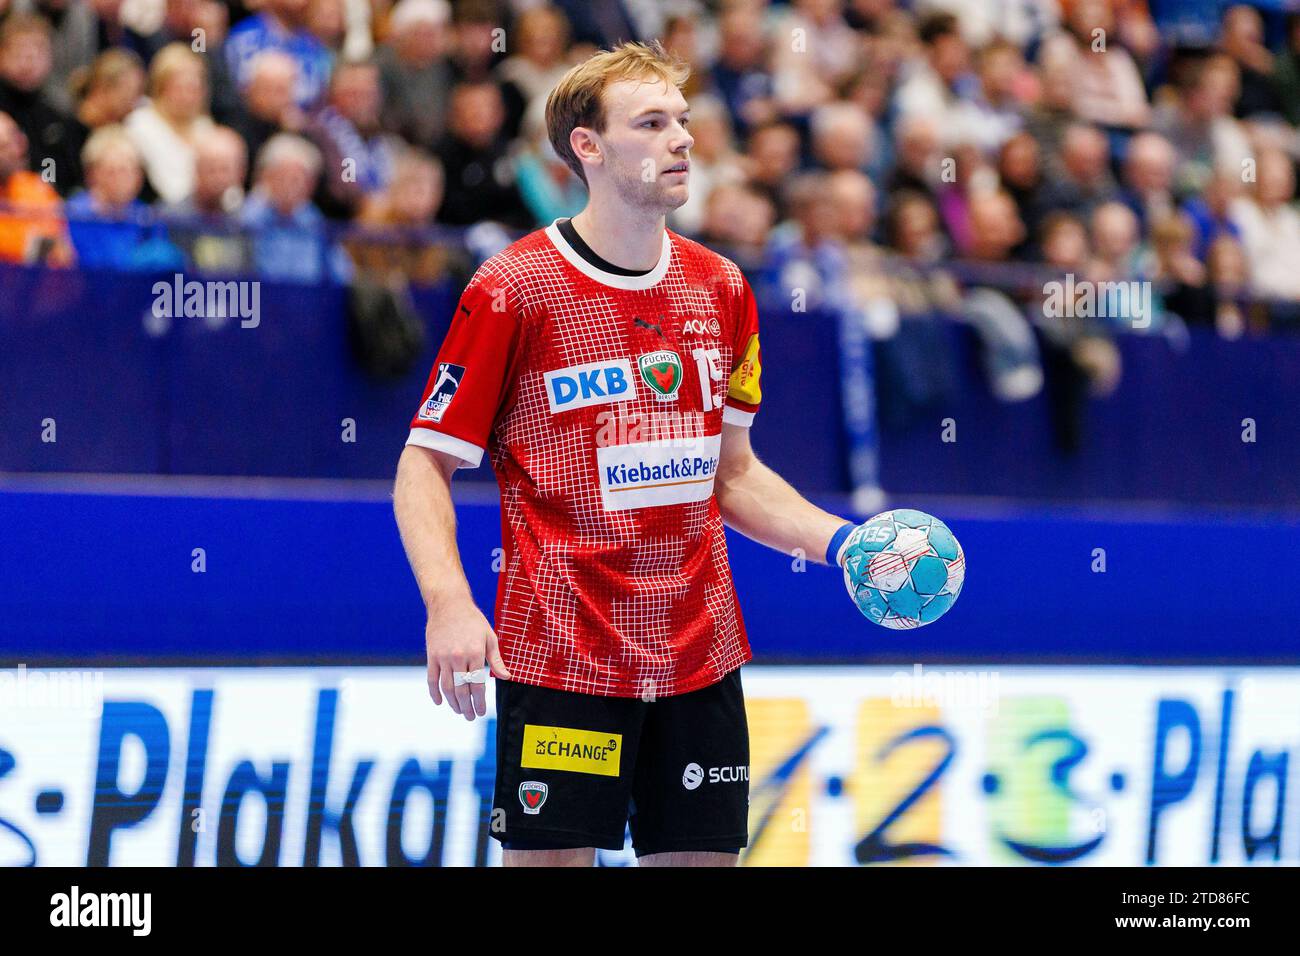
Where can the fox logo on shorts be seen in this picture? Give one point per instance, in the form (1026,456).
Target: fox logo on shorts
(532,794)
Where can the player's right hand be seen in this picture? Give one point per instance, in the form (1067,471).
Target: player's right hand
(458,638)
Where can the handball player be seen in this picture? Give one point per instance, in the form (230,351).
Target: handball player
(611,370)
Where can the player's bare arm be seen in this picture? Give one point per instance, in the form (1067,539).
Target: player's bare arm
(763,506)
(458,638)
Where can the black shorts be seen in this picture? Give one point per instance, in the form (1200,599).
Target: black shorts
(575,770)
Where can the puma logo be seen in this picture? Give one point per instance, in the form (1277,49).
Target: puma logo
(649,325)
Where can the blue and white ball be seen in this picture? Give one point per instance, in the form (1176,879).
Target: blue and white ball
(903,568)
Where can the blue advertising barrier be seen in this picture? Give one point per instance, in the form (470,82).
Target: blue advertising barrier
(116,577)
(1204,421)
(128,393)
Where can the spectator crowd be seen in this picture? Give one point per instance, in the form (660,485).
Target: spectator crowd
(847,147)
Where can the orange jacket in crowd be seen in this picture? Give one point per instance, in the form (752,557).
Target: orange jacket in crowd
(32,227)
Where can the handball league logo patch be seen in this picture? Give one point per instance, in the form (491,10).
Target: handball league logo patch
(444,390)
(532,794)
(662,371)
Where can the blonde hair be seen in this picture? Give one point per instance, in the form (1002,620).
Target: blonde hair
(103,141)
(169,61)
(577,98)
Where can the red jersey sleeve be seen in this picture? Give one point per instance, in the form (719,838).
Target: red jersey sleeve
(471,376)
(744,392)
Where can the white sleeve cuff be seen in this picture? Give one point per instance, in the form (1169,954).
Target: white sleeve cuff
(469,454)
(735,416)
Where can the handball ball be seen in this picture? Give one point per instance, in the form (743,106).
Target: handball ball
(903,568)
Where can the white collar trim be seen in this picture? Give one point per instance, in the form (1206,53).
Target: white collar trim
(647,281)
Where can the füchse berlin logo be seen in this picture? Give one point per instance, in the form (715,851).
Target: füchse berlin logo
(532,794)
(662,371)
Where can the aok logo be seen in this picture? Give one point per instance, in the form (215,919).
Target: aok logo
(702,327)
(596,383)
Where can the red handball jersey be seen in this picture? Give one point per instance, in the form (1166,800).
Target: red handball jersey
(601,399)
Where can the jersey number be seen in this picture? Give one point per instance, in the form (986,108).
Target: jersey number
(708,362)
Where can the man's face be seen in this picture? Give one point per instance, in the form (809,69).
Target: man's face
(270,92)
(543,37)
(854,201)
(949,57)
(819,218)
(998,72)
(476,114)
(1114,232)
(845,146)
(996,226)
(1067,246)
(1150,166)
(1020,160)
(918,142)
(26,61)
(645,144)
(421,43)
(1276,178)
(117,177)
(1215,94)
(1058,85)
(218,166)
(1085,156)
(417,193)
(742,41)
(916,226)
(288,185)
(474,44)
(356,95)
(775,152)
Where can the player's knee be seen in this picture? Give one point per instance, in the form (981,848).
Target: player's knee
(581,856)
(689,858)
